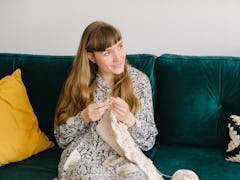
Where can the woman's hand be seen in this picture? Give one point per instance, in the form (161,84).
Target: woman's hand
(121,110)
(93,112)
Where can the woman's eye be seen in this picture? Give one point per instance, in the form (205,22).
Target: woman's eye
(106,53)
(120,46)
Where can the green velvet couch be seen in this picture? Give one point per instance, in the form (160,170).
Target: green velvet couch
(193,98)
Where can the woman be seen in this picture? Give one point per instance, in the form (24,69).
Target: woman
(100,79)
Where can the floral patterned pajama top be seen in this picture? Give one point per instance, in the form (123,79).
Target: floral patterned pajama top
(84,150)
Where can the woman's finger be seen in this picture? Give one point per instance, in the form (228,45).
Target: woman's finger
(101,105)
(96,110)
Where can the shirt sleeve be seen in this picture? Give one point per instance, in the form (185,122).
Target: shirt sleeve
(144,131)
(68,131)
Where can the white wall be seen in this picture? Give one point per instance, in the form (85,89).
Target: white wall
(190,27)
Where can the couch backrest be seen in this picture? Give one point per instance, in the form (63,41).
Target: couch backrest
(7,62)
(195,96)
(44,76)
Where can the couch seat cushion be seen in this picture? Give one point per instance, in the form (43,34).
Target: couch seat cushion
(207,163)
(38,167)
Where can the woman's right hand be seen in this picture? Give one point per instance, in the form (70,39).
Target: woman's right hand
(94,112)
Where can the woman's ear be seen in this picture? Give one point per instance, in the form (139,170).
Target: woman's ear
(91,57)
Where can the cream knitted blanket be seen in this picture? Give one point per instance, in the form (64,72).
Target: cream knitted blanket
(117,136)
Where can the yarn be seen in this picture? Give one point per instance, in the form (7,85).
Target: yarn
(115,133)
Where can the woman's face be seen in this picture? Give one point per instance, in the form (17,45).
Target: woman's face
(111,61)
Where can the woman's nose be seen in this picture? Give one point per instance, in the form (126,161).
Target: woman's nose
(117,55)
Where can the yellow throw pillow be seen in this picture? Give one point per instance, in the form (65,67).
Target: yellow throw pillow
(20,135)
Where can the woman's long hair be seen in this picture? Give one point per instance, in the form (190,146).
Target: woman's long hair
(81,83)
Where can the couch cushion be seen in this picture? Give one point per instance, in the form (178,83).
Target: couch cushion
(145,63)
(42,166)
(7,64)
(207,163)
(43,77)
(195,96)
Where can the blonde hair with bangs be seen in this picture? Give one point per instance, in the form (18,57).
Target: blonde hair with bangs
(81,83)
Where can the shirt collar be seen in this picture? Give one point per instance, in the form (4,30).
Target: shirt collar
(101,84)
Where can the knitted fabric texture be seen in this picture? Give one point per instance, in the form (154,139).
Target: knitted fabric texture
(117,136)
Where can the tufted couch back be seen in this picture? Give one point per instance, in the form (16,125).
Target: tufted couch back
(44,76)
(193,96)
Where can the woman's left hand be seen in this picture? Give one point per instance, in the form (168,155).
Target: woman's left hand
(121,110)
